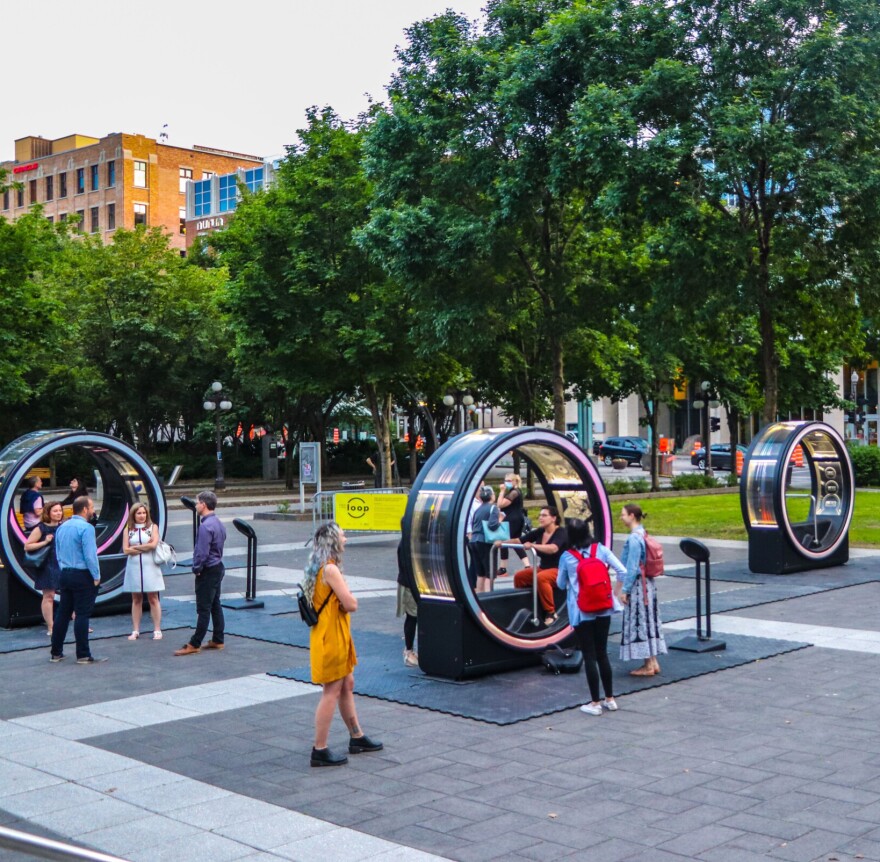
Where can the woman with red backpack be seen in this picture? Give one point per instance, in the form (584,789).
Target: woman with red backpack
(583,574)
(642,635)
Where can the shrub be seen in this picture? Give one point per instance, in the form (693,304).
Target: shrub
(617,486)
(732,479)
(866,463)
(640,486)
(693,482)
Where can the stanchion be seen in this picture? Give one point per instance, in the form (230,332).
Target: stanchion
(250,600)
(699,553)
(191,505)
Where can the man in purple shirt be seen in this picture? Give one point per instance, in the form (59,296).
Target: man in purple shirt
(208,569)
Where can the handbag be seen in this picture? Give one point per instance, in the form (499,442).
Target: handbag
(37,559)
(164,554)
(500,534)
(558,660)
(307,611)
(527,526)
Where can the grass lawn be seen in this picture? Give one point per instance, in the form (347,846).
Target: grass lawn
(720,517)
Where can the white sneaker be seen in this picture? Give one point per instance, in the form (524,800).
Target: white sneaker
(590,709)
(410,658)
(610,705)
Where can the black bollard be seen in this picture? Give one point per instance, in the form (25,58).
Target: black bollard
(250,600)
(191,505)
(699,553)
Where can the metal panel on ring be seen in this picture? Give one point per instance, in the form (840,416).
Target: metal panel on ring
(125,478)
(435,524)
(818,535)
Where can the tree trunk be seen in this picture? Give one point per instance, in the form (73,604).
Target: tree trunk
(380,407)
(769,366)
(558,385)
(651,417)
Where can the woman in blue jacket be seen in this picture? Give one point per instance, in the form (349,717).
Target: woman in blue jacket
(591,628)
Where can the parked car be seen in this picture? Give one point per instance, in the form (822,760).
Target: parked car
(721,457)
(629,448)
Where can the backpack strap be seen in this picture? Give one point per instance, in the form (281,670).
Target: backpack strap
(576,554)
(593,550)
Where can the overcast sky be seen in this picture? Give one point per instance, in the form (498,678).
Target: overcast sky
(236,76)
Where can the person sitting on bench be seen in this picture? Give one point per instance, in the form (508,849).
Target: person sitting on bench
(549,541)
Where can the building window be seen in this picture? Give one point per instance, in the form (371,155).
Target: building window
(207,175)
(62,185)
(62,217)
(19,197)
(80,180)
(182,214)
(80,220)
(228,191)
(50,188)
(140,175)
(140,214)
(50,219)
(111,174)
(253,179)
(186,175)
(33,186)
(6,199)
(95,220)
(202,198)
(111,216)
(94,184)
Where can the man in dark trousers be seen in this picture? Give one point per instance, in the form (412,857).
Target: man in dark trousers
(208,569)
(77,553)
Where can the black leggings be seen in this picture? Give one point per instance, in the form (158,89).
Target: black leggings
(593,638)
(409,631)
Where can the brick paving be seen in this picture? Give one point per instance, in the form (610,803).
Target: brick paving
(779,759)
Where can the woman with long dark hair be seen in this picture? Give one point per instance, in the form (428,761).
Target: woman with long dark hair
(591,628)
(331,648)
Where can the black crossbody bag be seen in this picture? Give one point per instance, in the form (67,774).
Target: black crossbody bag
(307,609)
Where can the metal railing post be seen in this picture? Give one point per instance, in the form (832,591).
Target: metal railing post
(46,848)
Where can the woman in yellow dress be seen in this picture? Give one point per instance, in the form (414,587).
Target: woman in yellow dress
(332,651)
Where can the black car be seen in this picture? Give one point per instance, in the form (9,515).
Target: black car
(721,457)
(629,448)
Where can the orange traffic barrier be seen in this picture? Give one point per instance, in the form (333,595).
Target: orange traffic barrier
(739,462)
(797,457)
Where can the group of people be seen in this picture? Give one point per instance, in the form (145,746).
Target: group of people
(68,566)
(635,594)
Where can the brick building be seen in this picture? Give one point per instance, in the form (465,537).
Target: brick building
(117,181)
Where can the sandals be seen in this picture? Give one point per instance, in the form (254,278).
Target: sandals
(134,636)
(552,618)
(641,671)
(157,635)
(501,572)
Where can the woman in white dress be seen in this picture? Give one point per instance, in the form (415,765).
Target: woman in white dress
(142,575)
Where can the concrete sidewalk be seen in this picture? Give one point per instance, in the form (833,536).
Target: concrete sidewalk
(153,757)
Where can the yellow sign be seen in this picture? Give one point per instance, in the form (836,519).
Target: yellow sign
(377,512)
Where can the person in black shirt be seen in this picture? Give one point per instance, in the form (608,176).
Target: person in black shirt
(549,541)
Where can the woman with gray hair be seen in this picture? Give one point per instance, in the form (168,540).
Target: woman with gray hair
(331,648)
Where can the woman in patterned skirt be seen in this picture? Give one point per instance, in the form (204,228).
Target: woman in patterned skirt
(642,635)
(142,574)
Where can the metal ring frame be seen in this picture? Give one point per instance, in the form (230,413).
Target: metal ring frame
(435,524)
(832,495)
(126,478)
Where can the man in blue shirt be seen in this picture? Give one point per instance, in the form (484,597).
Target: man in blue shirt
(77,553)
(208,569)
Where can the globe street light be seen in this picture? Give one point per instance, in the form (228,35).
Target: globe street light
(216,402)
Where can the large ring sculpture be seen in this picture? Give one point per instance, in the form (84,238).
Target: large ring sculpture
(437,512)
(124,478)
(818,537)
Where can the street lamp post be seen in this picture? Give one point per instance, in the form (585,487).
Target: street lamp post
(216,402)
(462,403)
(854,381)
(703,404)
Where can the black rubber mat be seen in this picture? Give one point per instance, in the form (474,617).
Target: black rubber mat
(175,615)
(508,698)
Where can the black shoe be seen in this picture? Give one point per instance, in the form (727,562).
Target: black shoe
(360,744)
(56,658)
(90,660)
(325,757)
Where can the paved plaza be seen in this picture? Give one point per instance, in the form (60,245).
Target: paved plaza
(153,757)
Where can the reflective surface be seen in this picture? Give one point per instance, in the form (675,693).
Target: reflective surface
(440,504)
(122,478)
(813,505)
